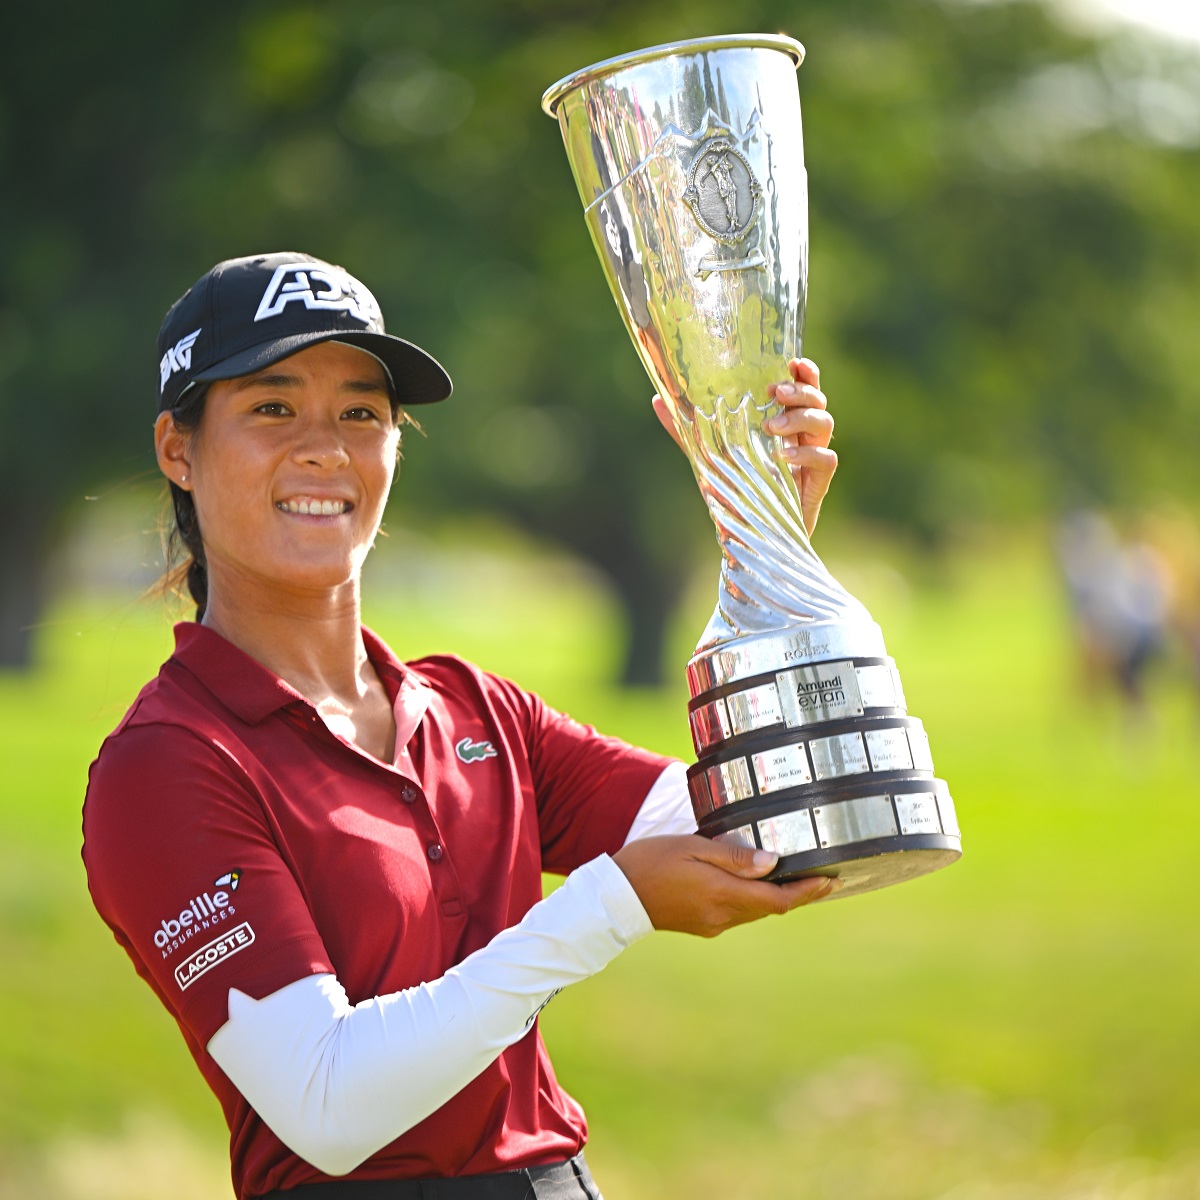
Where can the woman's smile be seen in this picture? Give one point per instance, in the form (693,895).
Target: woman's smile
(311,506)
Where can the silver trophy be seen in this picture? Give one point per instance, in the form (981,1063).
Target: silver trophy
(689,159)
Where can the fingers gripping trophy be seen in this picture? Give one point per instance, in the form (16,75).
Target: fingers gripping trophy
(689,161)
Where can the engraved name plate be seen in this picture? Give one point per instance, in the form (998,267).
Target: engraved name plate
(855,820)
(789,833)
(918,813)
(755,708)
(717,790)
(710,724)
(742,836)
(729,782)
(825,692)
(783,767)
(889,749)
(843,754)
(702,800)
(876,687)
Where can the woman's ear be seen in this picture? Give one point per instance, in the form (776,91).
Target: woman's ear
(172,447)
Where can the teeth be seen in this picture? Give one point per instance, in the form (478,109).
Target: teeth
(313,508)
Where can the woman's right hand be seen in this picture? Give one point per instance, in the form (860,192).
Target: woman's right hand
(693,885)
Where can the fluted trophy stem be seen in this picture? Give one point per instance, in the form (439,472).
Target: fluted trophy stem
(689,160)
(770,576)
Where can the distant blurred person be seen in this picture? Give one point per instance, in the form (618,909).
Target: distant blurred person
(1086,547)
(1119,595)
(1175,533)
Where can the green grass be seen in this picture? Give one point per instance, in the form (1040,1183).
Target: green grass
(1022,1024)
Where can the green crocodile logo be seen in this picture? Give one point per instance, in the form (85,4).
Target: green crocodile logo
(470,751)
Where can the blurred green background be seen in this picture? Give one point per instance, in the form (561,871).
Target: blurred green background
(1005,292)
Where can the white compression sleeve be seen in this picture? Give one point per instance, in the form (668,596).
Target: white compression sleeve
(667,808)
(337,1082)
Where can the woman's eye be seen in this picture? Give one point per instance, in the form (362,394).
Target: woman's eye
(273,408)
(360,414)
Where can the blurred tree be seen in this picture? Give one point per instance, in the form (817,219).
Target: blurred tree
(1004,266)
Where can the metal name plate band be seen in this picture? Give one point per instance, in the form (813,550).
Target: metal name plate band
(855,820)
(837,690)
(899,745)
(762,654)
(917,810)
(867,838)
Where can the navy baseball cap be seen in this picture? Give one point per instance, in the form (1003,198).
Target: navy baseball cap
(247,313)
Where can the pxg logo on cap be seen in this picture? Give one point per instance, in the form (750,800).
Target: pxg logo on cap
(247,313)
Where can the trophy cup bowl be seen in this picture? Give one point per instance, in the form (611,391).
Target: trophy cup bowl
(689,160)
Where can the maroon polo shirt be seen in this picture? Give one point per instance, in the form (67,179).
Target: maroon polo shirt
(232,840)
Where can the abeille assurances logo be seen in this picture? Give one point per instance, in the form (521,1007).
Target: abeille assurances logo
(204,911)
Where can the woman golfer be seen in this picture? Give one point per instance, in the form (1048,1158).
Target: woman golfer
(327,863)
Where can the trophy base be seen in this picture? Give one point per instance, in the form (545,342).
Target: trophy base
(875,865)
(805,748)
(869,837)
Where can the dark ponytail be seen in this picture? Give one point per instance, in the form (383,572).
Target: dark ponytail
(183,546)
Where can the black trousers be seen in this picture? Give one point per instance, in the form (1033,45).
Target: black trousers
(570,1180)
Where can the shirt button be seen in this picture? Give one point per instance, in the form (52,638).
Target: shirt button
(434,851)
(408,794)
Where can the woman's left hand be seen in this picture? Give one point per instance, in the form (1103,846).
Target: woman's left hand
(804,428)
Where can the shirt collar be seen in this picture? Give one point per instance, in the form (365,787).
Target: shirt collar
(251,692)
(409,691)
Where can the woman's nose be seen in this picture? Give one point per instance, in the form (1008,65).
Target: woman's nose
(320,444)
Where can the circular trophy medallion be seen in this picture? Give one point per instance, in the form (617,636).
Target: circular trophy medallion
(722,191)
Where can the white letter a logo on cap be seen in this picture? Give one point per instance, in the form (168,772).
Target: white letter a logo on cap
(317,287)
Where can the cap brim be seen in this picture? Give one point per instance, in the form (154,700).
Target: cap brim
(417,377)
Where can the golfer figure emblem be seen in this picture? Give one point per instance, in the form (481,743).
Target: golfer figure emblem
(722,192)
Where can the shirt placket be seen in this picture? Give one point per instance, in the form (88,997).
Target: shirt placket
(412,702)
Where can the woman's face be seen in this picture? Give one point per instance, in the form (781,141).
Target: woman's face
(289,469)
